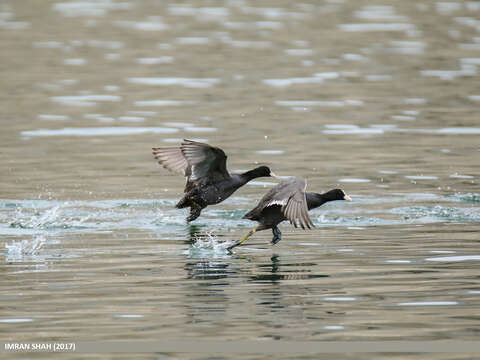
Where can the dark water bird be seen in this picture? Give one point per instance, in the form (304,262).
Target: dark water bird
(288,201)
(205,167)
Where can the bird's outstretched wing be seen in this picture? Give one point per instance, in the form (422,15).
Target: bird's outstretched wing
(195,160)
(290,196)
(296,208)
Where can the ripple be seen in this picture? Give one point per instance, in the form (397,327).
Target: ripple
(76,61)
(248,44)
(85,100)
(299,52)
(131,118)
(403,117)
(159,103)
(99,131)
(166,81)
(179,124)
(458,176)
(293,81)
(142,25)
(376,27)
(192,40)
(466,70)
(309,103)
(334,327)
(53,117)
(415,101)
(179,10)
(15,320)
(460,130)
(379,12)
(353,130)
(199,129)
(270,152)
(421,177)
(354,180)
(455,258)
(339,298)
(89,8)
(155,61)
(179,140)
(428,303)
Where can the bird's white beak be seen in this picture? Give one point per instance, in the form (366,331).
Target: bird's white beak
(272,174)
(348,198)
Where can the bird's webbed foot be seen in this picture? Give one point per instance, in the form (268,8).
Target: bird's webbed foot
(277,235)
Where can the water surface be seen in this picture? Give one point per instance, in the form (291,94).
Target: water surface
(380,100)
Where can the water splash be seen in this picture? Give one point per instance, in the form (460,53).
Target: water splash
(438,213)
(209,246)
(28,248)
(52,218)
(470,197)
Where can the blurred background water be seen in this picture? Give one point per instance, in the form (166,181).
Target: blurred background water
(380,98)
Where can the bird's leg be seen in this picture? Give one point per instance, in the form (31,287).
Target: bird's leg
(194,213)
(235,244)
(277,235)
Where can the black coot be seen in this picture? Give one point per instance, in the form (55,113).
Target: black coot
(205,167)
(288,201)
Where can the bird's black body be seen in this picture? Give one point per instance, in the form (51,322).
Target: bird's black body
(205,167)
(200,196)
(288,201)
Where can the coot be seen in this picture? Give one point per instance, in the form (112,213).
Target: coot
(205,167)
(288,201)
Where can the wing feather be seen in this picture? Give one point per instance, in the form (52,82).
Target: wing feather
(195,160)
(296,208)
